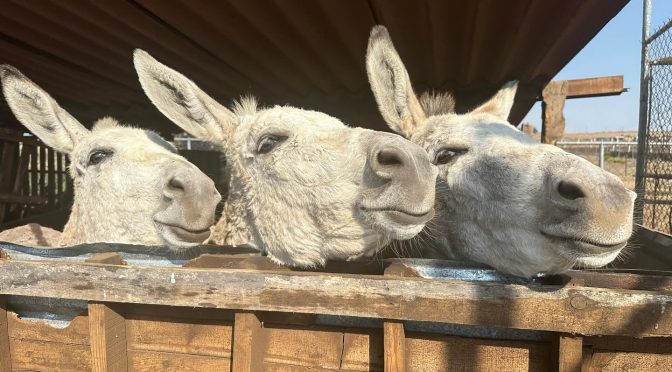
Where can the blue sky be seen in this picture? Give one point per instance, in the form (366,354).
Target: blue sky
(616,50)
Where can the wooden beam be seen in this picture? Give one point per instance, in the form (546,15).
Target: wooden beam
(595,87)
(552,107)
(5,356)
(20,199)
(570,353)
(247,356)
(576,310)
(592,87)
(108,339)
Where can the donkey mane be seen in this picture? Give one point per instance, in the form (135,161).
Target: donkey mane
(437,103)
(245,105)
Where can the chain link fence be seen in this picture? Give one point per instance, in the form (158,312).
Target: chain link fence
(654,163)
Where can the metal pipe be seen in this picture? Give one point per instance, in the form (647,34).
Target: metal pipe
(643,112)
(659,32)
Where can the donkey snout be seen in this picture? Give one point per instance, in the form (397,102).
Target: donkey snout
(406,170)
(194,194)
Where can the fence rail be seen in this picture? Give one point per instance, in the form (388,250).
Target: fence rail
(33,177)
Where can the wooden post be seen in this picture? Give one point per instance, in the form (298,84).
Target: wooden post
(553,120)
(246,334)
(394,339)
(5,356)
(570,353)
(394,346)
(108,339)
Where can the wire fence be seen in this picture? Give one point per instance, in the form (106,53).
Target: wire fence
(619,158)
(654,166)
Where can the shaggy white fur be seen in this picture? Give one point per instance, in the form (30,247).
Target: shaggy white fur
(304,186)
(130,185)
(502,199)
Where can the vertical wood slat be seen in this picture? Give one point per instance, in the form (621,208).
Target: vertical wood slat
(20,174)
(570,353)
(5,356)
(51,192)
(394,338)
(43,171)
(33,171)
(108,339)
(59,178)
(9,157)
(246,335)
(394,346)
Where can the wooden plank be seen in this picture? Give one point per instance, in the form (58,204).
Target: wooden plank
(51,180)
(108,338)
(570,353)
(33,171)
(595,87)
(428,352)
(76,333)
(5,356)
(20,199)
(37,355)
(20,174)
(152,361)
(247,355)
(108,258)
(363,350)
(577,310)
(43,171)
(641,282)
(659,345)
(14,136)
(9,151)
(631,362)
(59,179)
(315,347)
(395,346)
(180,335)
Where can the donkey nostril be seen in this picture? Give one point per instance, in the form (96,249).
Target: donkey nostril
(176,184)
(389,157)
(570,190)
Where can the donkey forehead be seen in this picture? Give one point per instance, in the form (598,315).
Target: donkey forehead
(291,118)
(136,140)
(470,129)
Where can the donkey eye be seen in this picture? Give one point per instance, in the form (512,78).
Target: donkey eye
(97,156)
(268,142)
(446,155)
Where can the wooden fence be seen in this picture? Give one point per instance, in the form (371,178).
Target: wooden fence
(33,177)
(244,313)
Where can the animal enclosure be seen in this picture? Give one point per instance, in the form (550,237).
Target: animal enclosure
(74,309)
(654,166)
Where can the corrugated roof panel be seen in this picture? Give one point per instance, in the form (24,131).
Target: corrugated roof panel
(305,53)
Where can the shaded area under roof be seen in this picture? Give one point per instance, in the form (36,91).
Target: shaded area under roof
(304,53)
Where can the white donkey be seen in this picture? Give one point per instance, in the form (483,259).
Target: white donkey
(130,185)
(502,199)
(304,186)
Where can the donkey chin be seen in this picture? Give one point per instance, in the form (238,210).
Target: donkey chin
(590,251)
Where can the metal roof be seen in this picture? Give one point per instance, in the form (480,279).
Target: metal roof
(304,53)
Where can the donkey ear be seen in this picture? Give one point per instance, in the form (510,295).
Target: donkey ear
(391,84)
(500,105)
(182,101)
(35,109)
